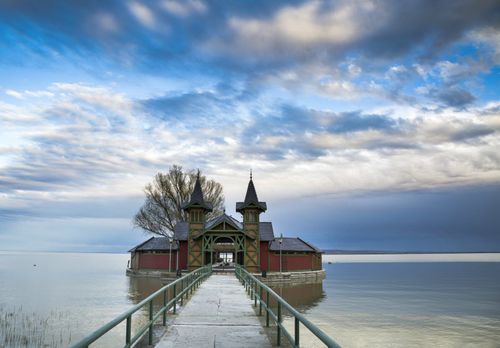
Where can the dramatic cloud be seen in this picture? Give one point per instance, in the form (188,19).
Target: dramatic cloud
(321,99)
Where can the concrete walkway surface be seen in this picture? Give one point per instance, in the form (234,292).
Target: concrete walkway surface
(219,314)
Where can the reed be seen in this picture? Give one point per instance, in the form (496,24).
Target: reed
(22,328)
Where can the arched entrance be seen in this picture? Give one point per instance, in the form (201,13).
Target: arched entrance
(220,247)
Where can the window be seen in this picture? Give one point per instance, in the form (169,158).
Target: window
(196,216)
(251,216)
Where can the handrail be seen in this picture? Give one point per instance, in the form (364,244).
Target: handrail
(187,283)
(255,288)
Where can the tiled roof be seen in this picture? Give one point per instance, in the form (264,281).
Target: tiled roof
(292,244)
(266,231)
(155,244)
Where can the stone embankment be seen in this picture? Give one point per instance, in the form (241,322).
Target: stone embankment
(292,277)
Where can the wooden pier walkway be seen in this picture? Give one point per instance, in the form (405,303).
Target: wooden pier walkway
(219,314)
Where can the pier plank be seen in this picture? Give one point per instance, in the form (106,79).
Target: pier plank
(219,314)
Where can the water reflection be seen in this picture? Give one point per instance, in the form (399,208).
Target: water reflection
(301,296)
(139,288)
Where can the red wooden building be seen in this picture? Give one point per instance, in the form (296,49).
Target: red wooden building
(250,242)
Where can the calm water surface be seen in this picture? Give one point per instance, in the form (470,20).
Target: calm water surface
(66,296)
(404,304)
(360,304)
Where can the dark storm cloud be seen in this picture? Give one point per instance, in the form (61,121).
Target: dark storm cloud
(428,25)
(150,35)
(446,219)
(472,132)
(454,97)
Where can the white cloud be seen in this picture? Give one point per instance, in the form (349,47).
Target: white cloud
(304,25)
(70,147)
(106,22)
(15,94)
(28,93)
(490,37)
(183,8)
(143,14)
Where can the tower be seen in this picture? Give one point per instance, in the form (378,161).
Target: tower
(251,209)
(196,209)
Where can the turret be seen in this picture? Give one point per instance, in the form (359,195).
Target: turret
(251,208)
(196,207)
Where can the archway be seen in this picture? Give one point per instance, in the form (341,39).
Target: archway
(223,247)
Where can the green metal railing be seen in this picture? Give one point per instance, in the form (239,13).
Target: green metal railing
(255,288)
(179,289)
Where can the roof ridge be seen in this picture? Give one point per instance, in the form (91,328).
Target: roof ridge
(138,246)
(309,244)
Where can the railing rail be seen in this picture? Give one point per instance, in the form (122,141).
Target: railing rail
(256,288)
(180,289)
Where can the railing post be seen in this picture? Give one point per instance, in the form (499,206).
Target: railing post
(267,308)
(255,293)
(175,297)
(150,338)
(278,329)
(297,333)
(129,330)
(165,307)
(260,300)
(182,294)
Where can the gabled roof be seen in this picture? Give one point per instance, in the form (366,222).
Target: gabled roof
(156,244)
(251,199)
(223,218)
(197,197)
(292,244)
(181,229)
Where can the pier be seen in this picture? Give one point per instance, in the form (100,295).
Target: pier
(219,314)
(217,310)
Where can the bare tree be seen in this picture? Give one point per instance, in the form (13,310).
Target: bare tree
(166,194)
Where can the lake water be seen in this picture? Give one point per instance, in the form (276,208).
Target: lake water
(365,301)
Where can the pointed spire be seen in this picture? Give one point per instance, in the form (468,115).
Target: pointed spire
(251,197)
(197,196)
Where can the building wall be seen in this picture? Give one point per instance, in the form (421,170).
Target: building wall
(264,256)
(156,260)
(183,255)
(134,260)
(293,262)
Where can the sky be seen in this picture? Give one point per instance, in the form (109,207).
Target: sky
(369,125)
